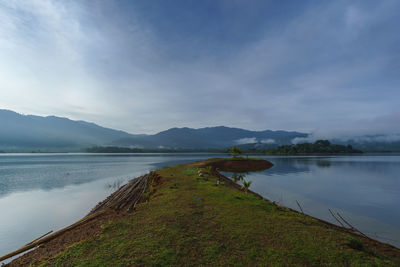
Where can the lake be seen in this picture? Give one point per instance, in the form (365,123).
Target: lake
(42,192)
(365,189)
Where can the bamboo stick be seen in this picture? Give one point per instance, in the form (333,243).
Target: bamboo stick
(336,218)
(352,227)
(49,232)
(298,204)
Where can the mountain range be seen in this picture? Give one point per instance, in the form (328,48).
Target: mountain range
(220,137)
(26,133)
(55,134)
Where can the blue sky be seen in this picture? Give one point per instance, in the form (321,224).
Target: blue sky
(327,67)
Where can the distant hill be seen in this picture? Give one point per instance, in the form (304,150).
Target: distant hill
(27,132)
(210,137)
(24,133)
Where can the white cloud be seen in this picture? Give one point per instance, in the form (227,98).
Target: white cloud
(299,140)
(313,71)
(247,140)
(378,138)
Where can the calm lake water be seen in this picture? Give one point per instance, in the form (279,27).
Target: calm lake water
(42,192)
(365,190)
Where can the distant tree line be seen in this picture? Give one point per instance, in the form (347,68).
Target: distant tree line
(112,149)
(117,149)
(319,147)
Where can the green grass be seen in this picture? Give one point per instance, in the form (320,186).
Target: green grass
(191,221)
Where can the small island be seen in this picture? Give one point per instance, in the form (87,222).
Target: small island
(316,148)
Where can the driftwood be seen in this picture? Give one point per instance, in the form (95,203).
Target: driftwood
(40,237)
(125,197)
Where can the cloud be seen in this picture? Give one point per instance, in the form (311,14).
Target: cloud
(142,67)
(247,140)
(378,138)
(299,140)
(384,128)
(252,140)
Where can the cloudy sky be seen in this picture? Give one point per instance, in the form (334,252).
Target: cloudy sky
(145,66)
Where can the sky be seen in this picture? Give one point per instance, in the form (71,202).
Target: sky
(323,67)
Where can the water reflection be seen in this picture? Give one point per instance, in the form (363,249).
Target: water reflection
(42,192)
(323,163)
(365,189)
(284,166)
(49,171)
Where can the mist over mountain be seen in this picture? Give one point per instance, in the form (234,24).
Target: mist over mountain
(373,143)
(389,142)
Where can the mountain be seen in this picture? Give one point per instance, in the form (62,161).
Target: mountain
(24,133)
(19,133)
(219,137)
(27,132)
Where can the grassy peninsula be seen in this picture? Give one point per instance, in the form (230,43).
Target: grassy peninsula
(194,216)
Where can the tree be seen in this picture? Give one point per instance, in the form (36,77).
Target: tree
(237,177)
(246,185)
(235,151)
(323,143)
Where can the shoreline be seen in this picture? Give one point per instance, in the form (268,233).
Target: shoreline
(94,226)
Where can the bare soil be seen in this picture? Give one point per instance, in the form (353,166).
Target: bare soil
(240,165)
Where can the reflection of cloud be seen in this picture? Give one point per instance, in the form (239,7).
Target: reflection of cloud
(247,140)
